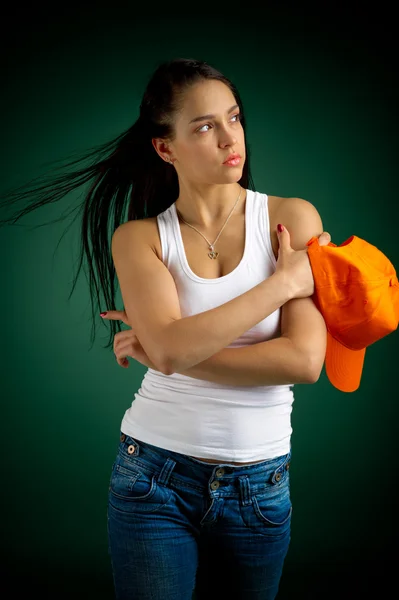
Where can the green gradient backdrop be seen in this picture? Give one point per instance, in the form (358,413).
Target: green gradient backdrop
(321,126)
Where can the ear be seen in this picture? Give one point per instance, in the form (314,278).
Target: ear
(162,148)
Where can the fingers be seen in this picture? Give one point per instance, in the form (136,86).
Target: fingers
(121,338)
(112,315)
(115,315)
(121,355)
(324,238)
(123,347)
(123,362)
(283,236)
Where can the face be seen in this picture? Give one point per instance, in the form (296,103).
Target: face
(201,146)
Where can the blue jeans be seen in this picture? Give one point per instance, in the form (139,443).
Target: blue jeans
(177,524)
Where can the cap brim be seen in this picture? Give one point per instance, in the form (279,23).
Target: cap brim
(343,366)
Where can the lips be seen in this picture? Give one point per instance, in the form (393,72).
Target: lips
(231,157)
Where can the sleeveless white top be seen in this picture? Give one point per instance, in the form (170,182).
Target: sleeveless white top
(202,418)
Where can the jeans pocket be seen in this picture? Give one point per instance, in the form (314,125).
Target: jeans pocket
(269,513)
(134,488)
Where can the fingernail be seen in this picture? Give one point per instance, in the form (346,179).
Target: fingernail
(103,314)
(280,228)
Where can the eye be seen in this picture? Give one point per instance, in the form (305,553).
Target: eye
(238,116)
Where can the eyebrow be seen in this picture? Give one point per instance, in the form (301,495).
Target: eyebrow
(204,117)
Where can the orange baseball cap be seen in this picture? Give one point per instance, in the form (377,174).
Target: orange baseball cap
(357,292)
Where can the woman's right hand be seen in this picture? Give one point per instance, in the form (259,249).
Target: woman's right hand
(294,265)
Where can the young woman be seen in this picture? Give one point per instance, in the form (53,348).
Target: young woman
(220,310)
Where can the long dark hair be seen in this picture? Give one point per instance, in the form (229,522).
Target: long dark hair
(126,173)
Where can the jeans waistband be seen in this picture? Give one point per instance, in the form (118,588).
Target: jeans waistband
(134,451)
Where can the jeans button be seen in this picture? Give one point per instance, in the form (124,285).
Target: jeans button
(131,449)
(287,466)
(278,476)
(123,437)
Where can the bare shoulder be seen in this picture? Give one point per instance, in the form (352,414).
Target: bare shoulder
(294,207)
(146,229)
(299,216)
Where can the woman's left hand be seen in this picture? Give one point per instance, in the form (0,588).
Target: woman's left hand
(126,343)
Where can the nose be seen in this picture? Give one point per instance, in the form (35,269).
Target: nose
(229,139)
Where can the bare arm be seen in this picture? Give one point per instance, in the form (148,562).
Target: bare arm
(173,343)
(191,340)
(153,309)
(298,355)
(295,357)
(273,362)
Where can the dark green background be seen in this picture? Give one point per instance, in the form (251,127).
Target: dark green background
(320,94)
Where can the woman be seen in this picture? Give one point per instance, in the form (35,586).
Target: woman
(220,309)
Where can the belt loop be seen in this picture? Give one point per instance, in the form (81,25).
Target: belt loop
(166,471)
(245,490)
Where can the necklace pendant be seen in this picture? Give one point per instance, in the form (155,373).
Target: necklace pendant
(213,254)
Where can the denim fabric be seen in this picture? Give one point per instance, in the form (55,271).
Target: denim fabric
(177,524)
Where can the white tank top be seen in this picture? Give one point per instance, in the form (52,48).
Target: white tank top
(201,418)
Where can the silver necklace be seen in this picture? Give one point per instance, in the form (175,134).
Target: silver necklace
(212,253)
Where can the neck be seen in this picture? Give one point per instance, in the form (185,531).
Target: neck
(208,211)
